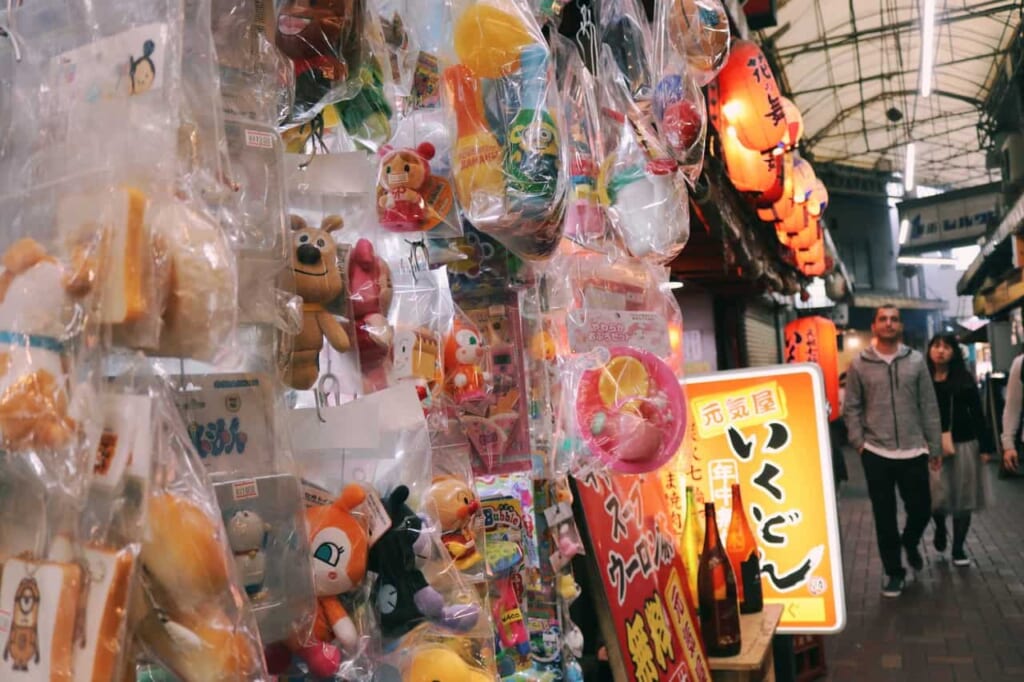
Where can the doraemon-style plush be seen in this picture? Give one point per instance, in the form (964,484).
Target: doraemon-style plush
(339,544)
(35,295)
(454,504)
(402,187)
(247,535)
(318,281)
(403,595)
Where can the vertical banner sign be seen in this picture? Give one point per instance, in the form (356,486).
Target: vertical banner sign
(646,598)
(766,429)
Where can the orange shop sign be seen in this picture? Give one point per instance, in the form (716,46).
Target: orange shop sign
(766,429)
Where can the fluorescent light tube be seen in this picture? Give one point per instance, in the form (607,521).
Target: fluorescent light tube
(908,172)
(927,47)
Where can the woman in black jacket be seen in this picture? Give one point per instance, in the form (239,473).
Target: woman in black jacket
(965,436)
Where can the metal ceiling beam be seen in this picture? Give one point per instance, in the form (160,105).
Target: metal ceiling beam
(848,111)
(896,74)
(790,52)
(918,122)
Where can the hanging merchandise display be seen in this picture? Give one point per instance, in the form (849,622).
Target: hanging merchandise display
(302,380)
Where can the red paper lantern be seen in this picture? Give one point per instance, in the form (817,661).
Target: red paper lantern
(804,239)
(749,171)
(813,339)
(815,253)
(814,269)
(781,198)
(750,98)
(818,201)
(803,180)
(794,124)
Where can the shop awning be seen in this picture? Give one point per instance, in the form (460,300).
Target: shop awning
(875,300)
(974,277)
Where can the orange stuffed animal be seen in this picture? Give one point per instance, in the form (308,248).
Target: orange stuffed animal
(454,504)
(464,357)
(340,547)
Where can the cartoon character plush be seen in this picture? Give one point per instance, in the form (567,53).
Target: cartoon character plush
(318,281)
(454,504)
(247,535)
(440,664)
(465,379)
(22,645)
(403,596)
(323,39)
(401,185)
(339,544)
(35,294)
(370,292)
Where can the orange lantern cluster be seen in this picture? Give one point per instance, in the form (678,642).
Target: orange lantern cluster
(759,130)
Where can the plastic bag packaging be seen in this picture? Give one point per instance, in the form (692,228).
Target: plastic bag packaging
(325,44)
(454,508)
(507,164)
(585,221)
(421,313)
(189,611)
(367,116)
(699,30)
(257,80)
(679,108)
(648,201)
(626,34)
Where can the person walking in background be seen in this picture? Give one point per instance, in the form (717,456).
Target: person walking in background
(1012,415)
(965,436)
(892,419)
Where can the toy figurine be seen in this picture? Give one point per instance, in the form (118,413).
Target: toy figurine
(454,504)
(531,155)
(463,363)
(323,39)
(440,664)
(35,292)
(318,281)
(403,596)
(369,281)
(247,535)
(339,545)
(401,187)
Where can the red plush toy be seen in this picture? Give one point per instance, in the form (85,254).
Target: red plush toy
(401,187)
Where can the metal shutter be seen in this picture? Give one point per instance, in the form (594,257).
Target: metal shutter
(760,334)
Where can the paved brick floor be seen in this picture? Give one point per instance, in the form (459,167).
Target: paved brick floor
(951,624)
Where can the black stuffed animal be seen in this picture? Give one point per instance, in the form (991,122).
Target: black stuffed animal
(402,594)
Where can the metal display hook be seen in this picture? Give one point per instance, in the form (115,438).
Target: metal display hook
(327,386)
(8,31)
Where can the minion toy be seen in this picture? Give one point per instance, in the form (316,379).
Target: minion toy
(23,642)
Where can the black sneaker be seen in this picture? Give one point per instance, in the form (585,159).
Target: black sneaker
(914,558)
(960,557)
(893,587)
(941,538)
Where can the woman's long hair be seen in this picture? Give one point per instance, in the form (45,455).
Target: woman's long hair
(958,374)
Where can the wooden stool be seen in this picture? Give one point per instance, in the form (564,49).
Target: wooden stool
(754,662)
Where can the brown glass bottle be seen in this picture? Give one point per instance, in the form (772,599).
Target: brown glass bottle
(716,585)
(746,562)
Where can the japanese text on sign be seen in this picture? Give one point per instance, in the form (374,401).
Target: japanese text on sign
(715,413)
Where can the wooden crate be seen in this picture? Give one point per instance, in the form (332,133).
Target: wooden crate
(809,652)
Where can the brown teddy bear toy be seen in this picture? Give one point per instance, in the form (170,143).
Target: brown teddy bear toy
(35,296)
(318,281)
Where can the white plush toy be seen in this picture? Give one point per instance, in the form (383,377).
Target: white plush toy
(246,534)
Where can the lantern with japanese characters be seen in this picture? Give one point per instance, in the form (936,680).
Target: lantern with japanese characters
(813,339)
(804,180)
(803,231)
(777,203)
(812,253)
(750,98)
(794,124)
(749,170)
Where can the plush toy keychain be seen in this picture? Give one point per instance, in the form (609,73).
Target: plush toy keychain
(454,503)
(464,362)
(404,597)
(318,281)
(370,292)
(402,186)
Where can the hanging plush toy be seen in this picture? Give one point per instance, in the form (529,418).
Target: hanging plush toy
(439,664)
(454,503)
(370,292)
(318,281)
(402,187)
(464,362)
(404,597)
(339,545)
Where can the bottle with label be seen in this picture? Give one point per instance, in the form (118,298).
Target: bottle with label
(742,550)
(716,585)
(532,146)
(477,157)
(693,541)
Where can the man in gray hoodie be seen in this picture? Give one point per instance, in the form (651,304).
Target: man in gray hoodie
(893,420)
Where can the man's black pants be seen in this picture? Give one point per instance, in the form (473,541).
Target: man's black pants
(884,477)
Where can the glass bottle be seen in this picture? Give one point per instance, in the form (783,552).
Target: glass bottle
(743,556)
(716,584)
(693,541)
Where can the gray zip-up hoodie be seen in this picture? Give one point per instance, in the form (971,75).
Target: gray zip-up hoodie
(892,405)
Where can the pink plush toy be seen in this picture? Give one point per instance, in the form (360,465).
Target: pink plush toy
(370,291)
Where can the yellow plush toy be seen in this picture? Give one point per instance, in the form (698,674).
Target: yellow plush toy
(438,664)
(318,281)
